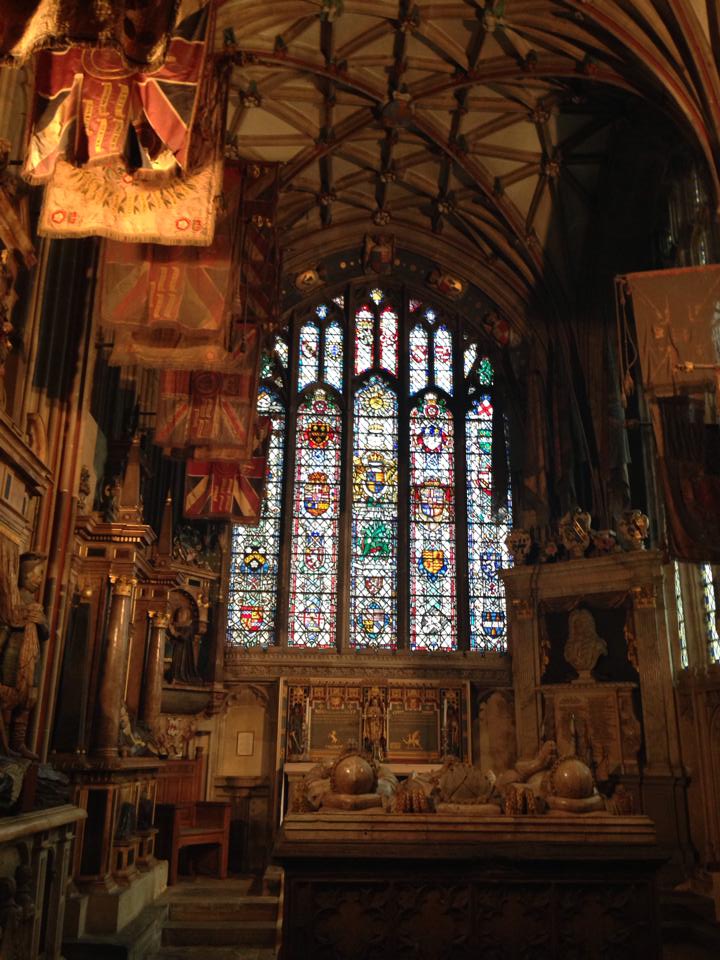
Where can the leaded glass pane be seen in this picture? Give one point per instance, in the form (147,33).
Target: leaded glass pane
(389,341)
(432,526)
(376,296)
(487,553)
(334,355)
(680,609)
(316,496)
(322,310)
(443,359)
(266,366)
(418,359)
(414,305)
(281,349)
(309,363)
(373,572)
(470,357)
(364,339)
(255,550)
(710,611)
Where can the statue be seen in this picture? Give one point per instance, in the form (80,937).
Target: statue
(110,506)
(374,727)
(136,740)
(584,646)
(182,634)
(23,626)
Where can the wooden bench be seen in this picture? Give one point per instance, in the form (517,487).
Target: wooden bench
(192,825)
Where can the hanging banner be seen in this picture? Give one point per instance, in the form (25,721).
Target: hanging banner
(125,154)
(226,490)
(139,31)
(677,317)
(689,468)
(183,289)
(105,201)
(90,108)
(209,410)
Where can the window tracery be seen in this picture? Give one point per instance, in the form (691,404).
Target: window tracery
(381,477)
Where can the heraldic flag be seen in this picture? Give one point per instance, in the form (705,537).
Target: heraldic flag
(210,410)
(227,490)
(95,121)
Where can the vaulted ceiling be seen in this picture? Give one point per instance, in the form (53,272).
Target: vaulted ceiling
(474,132)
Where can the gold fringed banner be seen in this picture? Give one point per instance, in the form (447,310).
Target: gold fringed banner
(183,289)
(138,31)
(105,201)
(129,155)
(677,320)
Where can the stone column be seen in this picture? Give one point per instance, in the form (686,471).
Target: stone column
(152,685)
(112,675)
(525,676)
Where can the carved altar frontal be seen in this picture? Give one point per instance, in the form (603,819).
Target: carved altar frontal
(363,886)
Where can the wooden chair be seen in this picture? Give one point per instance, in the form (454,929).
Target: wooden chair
(192,824)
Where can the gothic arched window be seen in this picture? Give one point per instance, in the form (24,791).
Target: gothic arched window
(383,526)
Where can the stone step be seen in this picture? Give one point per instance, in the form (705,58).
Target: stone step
(210,887)
(211,933)
(214,953)
(223,907)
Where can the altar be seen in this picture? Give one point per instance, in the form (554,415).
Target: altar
(367,885)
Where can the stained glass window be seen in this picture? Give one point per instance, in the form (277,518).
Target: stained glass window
(373,573)
(309,355)
(334,355)
(418,359)
(443,359)
(710,611)
(389,340)
(398,572)
(314,548)
(487,529)
(364,339)
(680,610)
(432,526)
(256,550)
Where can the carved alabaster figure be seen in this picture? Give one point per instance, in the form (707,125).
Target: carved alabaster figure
(23,628)
(182,634)
(374,728)
(584,645)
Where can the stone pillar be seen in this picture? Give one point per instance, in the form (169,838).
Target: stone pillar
(152,685)
(112,676)
(525,676)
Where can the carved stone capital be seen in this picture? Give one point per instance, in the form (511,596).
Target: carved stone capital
(122,586)
(161,620)
(644,596)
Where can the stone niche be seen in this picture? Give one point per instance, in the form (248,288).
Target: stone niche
(592,669)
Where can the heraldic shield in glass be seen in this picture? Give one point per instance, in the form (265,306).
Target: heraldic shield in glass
(314,549)
(384,537)
(432,526)
(255,550)
(487,530)
(373,575)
